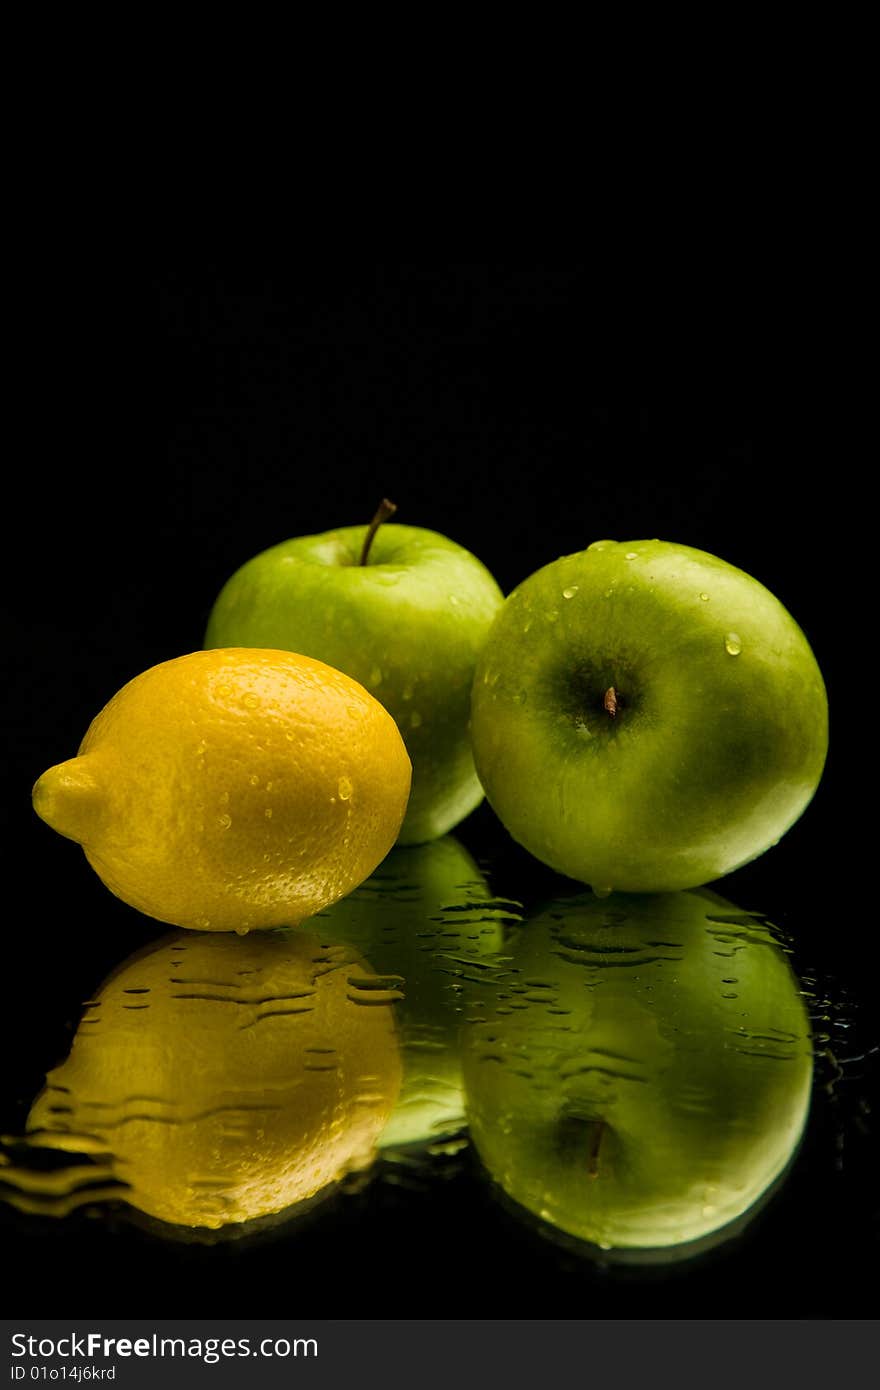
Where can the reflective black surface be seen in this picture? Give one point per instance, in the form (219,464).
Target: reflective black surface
(201,418)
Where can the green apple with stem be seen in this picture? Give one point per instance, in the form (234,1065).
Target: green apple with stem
(402,610)
(640,1070)
(646,717)
(428,920)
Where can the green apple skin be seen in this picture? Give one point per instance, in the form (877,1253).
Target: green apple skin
(720,735)
(642,1072)
(408,626)
(427,921)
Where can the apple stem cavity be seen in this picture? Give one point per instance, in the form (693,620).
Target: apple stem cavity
(384,510)
(610,701)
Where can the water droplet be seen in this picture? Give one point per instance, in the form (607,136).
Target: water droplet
(520,697)
(704,597)
(203,922)
(242,931)
(631,555)
(602,890)
(250,699)
(345,788)
(732,644)
(526,626)
(225,821)
(601,545)
(254,780)
(415,719)
(268,813)
(570,591)
(608,593)
(376,676)
(551,615)
(453,599)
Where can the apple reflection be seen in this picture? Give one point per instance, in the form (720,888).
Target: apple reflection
(641,1070)
(224,1079)
(428,916)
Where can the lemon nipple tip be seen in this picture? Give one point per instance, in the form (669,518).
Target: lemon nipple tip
(68,798)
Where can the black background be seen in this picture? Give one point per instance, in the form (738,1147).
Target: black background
(183,422)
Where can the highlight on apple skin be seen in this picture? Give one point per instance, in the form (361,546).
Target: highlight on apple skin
(646,717)
(641,1074)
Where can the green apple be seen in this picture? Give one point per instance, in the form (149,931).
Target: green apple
(642,1071)
(226,1080)
(427,919)
(408,625)
(646,717)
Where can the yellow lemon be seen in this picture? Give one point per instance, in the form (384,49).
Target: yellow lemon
(225,1080)
(234,788)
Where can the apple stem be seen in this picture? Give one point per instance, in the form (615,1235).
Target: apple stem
(610,701)
(595,1144)
(384,510)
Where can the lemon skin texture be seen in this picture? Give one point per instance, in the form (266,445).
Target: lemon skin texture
(408,626)
(426,919)
(720,732)
(655,1079)
(225,1080)
(228,790)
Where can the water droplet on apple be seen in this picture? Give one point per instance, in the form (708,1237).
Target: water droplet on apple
(551,615)
(732,644)
(225,821)
(242,931)
(602,890)
(704,597)
(520,697)
(631,555)
(454,599)
(376,676)
(254,780)
(344,788)
(601,545)
(608,593)
(202,749)
(526,627)
(268,813)
(570,591)
(415,719)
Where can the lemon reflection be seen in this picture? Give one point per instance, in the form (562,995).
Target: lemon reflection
(226,1079)
(642,1071)
(427,916)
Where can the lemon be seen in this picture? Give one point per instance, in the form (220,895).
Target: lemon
(232,789)
(224,1080)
